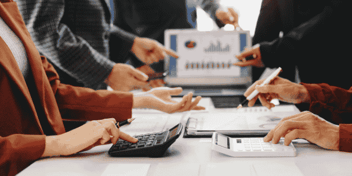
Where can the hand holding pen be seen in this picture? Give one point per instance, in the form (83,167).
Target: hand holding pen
(125,122)
(252,97)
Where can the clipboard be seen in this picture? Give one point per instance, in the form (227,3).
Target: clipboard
(244,122)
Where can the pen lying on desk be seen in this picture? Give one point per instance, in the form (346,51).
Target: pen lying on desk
(125,122)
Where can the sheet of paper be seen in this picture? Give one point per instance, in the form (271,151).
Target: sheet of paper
(126,170)
(253,118)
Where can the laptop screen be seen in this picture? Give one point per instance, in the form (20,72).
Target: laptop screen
(206,57)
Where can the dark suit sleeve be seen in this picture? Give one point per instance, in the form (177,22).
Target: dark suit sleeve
(276,53)
(331,103)
(55,40)
(120,41)
(210,7)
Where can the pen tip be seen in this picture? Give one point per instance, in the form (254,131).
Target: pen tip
(239,106)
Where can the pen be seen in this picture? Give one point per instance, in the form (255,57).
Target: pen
(157,75)
(125,122)
(255,92)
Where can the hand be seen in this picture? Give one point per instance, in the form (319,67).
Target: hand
(124,77)
(257,61)
(160,99)
(279,88)
(84,137)
(227,17)
(149,51)
(152,83)
(308,126)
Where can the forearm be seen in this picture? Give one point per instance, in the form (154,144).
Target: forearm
(330,102)
(121,43)
(18,151)
(60,44)
(210,7)
(308,35)
(345,138)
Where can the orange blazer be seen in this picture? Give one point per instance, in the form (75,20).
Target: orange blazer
(22,127)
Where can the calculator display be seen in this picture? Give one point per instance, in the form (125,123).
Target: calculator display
(172,133)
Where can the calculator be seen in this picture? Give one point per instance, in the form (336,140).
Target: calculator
(150,145)
(250,147)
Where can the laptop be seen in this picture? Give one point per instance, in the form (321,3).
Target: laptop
(204,66)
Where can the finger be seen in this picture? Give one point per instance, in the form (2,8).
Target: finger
(113,131)
(171,53)
(294,134)
(247,63)
(252,101)
(175,91)
(176,107)
(269,136)
(156,83)
(127,137)
(298,116)
(245,54)
(252,88)
(263,101)
(188,103)
(199,108)
(195,102)
(233,14)
(286,125)
(140,76)
(272,89)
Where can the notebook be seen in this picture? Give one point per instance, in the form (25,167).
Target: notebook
(244,122)
(204,66)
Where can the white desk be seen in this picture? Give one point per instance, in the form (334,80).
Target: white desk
(192,156)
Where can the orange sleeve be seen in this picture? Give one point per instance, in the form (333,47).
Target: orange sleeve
(18,151)
(79,103)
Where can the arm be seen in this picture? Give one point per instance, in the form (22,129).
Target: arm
(332,103)
(305,35)
(61,45)
(210,7)
(345,131)
(18,151)
(79,103)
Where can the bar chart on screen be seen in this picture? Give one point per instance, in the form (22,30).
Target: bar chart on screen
(208,55)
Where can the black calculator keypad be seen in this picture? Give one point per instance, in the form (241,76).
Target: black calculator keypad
(146,140)
(151,145)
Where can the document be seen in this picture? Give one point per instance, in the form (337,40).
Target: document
(249,121)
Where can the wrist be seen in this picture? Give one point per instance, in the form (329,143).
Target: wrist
(303,95)
(51,146)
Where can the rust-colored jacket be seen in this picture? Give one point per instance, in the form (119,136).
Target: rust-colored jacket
(22,127)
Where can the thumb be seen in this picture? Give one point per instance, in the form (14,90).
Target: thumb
(175,91)
(138,74)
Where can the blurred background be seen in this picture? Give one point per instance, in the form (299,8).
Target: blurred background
(248,11)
